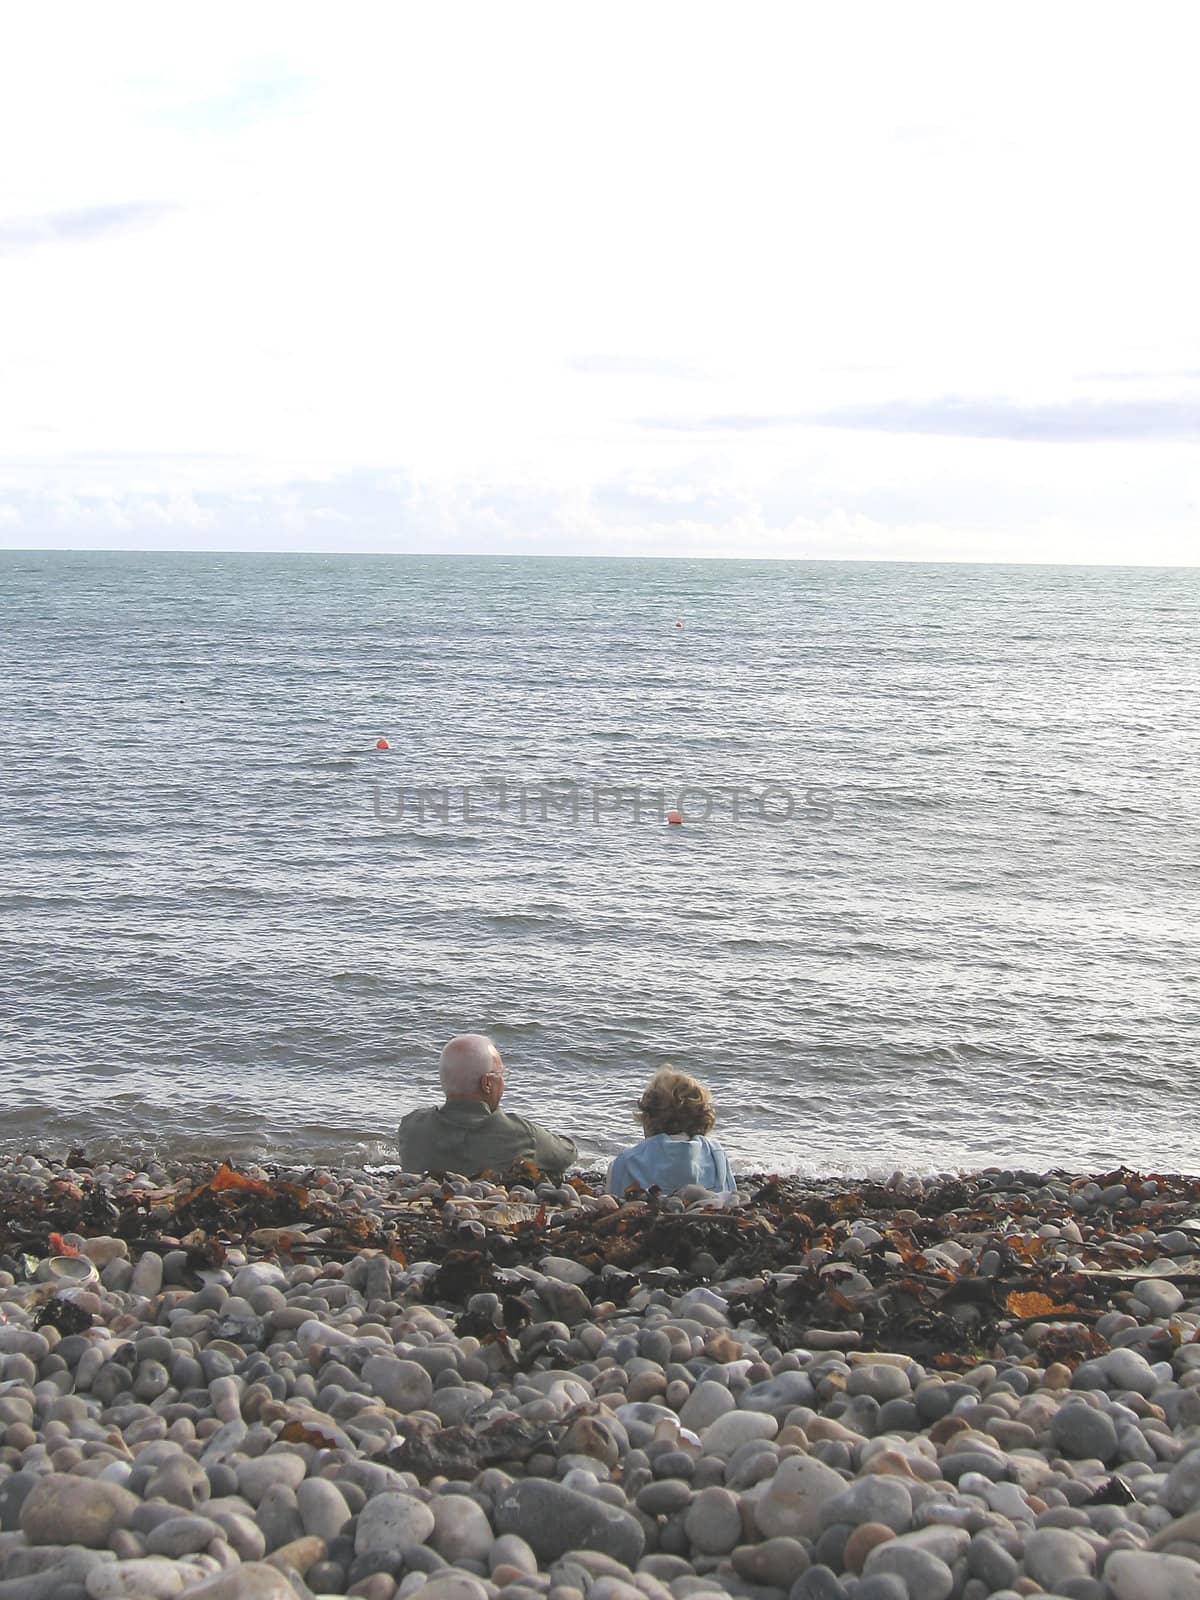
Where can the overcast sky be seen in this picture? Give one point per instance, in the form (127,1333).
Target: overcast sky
(909,280)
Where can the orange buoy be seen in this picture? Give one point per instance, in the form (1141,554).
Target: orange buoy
(382,744)
(675,818)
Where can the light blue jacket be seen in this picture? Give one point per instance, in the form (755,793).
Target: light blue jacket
(672,1160)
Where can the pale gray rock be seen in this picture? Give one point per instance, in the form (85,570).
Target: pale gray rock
(403,1385)
(225,1393)
(1139,1575)
(713,1521)
(241,1532)
(707,1401)
(751,1464)
(143,1578)
(63,1579)
(607,1587)
(392,1520)
(453,1586)
(566,1301)
(1160,1295)
(793,1505)
(1186,1527)
(15,1341)
(922,1572)
(64,1509)
(147,1275)
(258,1275)
(564,1269)
(252,1581)
(779,1394)
(461,1530)
(879,1379)
(1181,1491)
(181,1536)
(874,1498)
(256,1476)
(322,1507)
(734,1429)
(939,1539)
(181,1481)
(230,1436)
(1127,1369)
(512,1551)
(1052,1555)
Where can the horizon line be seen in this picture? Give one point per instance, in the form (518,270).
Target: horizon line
(530,555)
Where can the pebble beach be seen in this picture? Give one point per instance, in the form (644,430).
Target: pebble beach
(223,1381)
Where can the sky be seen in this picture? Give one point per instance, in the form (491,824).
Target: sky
(854,281)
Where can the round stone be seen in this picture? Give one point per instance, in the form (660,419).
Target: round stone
(1140,1575)
(1181,1491)
(1081,1432)
(1052,1555)
(142,1578)
(181,1536)
(729,1432)
(874,1498)
(392,1520)
(794,1504)
(255,1477)
(991,1563)
(252,1581)
(707,1401)
(63,1509)
(322,1506)
(403,1385)
(453,1586)
(779,1394)
(880,1380)
(1127,1369)
(553,1519)
(713,1522)
(461,1530)
(1162,1297)
(924,1573)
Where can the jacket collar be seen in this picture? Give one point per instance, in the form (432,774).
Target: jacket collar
(465,1111)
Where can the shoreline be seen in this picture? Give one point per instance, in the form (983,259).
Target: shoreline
(280,1381)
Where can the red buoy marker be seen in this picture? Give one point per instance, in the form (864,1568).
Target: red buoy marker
(382,744)
(679,624)
(674,818)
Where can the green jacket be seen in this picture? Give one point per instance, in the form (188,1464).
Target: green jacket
(467,1137)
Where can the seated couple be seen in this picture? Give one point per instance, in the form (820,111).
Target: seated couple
(470,1134)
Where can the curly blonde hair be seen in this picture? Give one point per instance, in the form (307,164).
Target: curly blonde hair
(673,1102)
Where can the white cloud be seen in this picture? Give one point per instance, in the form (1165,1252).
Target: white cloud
(464,250)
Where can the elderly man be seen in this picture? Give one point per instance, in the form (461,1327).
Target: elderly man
(470,1134)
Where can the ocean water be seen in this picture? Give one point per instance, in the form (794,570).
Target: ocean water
(933,903)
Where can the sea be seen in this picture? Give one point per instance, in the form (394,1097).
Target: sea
(932,903)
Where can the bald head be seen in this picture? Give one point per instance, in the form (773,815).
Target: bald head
(466,1061)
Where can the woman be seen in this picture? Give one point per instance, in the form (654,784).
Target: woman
(676,1114)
